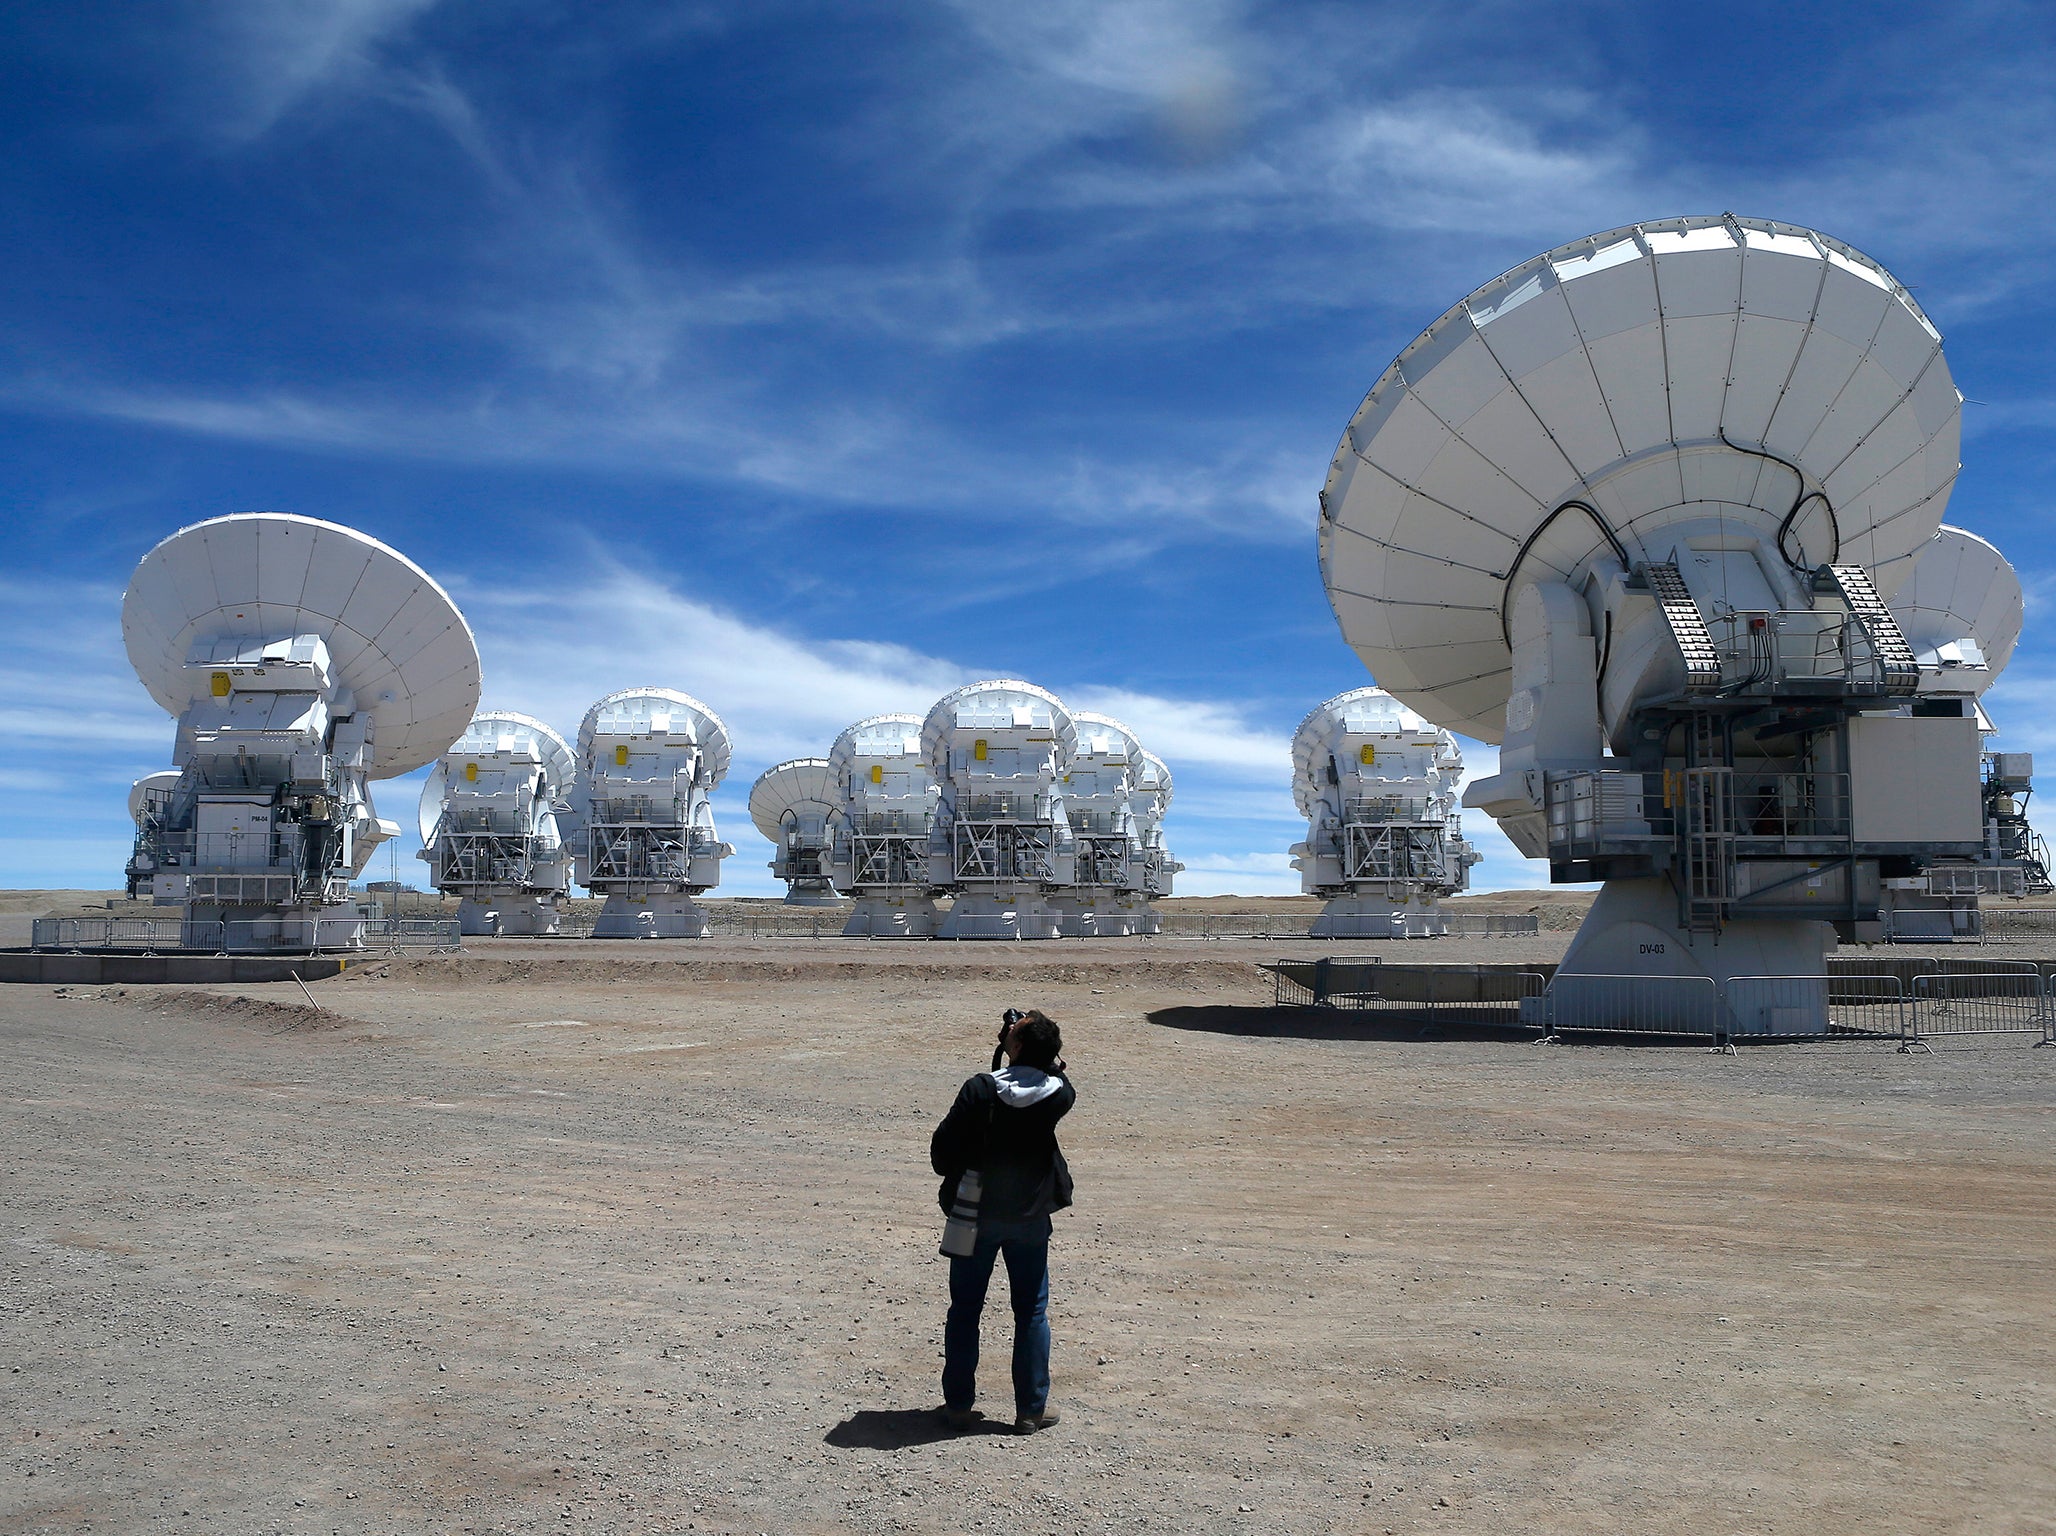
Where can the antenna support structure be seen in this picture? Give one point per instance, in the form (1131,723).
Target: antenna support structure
(792,805)
(1384,842)
(491,817)
(649,760)
(302,660)
(1636,512)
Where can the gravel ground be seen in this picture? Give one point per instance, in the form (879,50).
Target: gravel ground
(545,1238)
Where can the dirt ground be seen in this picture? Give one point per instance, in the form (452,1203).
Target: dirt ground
(548,1239)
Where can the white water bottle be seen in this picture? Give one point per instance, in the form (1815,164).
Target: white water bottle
(960,1231)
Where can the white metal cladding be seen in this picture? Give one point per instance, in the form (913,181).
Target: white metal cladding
(1104,743)
(880,736)
(636,713)
(491,732)
(1155,779)
(395,638)
(1361,711)
(808,782)
(1001,704)
(1960,588)
(1685,370)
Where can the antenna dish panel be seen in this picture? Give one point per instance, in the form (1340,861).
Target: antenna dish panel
(161,783)
(1156,780)
(877,736)
(804,781)
(1103,737)
(1574,415)
(1361,711)
(659,712)
(498,730)
(1961,588)
(1004,704)
(394,637)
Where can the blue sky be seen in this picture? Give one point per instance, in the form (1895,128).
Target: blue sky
(816,358)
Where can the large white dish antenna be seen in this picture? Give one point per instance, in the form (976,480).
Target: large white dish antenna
(659,712)
(395,638)
(808,782)
(1104,738)
(500,730)
(1360,711)
(1730,373)
(876,736)
(1961,588)
(1002,703)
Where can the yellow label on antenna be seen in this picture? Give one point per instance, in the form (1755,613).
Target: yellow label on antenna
(621,756)
(471,772)
(877,773)
(978,749)
(220,685)
(1368,756)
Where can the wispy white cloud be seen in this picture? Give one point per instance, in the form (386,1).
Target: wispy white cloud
(265,57)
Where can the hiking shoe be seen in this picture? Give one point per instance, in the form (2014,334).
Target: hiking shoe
(961,1419)
(1029,1423)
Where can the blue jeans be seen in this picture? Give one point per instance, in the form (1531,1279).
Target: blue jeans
(1026,1246)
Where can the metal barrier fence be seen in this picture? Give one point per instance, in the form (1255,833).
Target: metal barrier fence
(1838,1005)
(1426,995)
(2019,925)
(286,935)
(1981,1003)
(1688,1006)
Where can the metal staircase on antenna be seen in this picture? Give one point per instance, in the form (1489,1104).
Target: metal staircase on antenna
(1899,672)
(1687,627)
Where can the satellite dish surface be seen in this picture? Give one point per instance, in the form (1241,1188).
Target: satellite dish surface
(803,782)
(1572,415)
(394,637)
(660,712)
(1961,588)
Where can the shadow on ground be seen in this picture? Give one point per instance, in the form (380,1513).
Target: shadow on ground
(896,1429)
(1337,1024)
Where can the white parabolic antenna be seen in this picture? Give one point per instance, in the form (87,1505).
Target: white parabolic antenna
(1961,589)
(395,639)
(639,712)
(1005,704)
(1592,407)
(1362,711)
(499,730)
(804,785)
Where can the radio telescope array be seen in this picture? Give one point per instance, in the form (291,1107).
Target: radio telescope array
(1384,841)
(885,818)
(491,817)
(1111,791)
(791,805)
(1635,511)
(649,760)
(302,660)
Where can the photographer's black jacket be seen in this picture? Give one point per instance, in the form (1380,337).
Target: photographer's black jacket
(1004,1124)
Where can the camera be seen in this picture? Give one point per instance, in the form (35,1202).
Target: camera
(1007,1021)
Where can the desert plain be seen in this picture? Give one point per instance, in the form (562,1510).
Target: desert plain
(641,1238)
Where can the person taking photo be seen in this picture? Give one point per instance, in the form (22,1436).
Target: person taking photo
(1002,1176)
